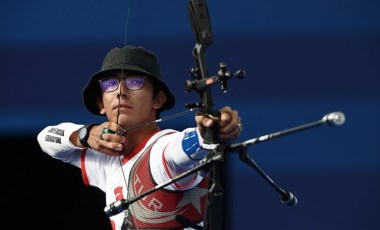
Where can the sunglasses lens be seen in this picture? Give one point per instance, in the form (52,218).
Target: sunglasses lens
(134,83)
(109,84)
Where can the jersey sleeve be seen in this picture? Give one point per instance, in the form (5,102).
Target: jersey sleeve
(175,153)
(94,166)
(54,140)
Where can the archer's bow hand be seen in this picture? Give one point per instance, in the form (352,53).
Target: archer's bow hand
(229,122)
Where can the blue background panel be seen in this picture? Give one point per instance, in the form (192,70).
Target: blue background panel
(303,59)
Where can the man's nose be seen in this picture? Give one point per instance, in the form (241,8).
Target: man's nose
(122,89)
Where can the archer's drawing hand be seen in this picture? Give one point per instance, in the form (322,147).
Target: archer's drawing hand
(104,138)
(230,125)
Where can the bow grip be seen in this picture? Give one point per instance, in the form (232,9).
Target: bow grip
(211,134)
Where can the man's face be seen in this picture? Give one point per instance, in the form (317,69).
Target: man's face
(126,103)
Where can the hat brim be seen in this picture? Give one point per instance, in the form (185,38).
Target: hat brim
(92,90)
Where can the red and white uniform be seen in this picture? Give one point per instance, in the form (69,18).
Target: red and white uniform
(156,160)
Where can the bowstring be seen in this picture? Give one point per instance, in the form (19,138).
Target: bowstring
(123,56)
(120,91)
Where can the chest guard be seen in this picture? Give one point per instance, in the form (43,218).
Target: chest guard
(159,209)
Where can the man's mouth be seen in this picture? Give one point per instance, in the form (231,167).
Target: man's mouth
(123,107)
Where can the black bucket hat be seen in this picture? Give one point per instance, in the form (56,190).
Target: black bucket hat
(128,58)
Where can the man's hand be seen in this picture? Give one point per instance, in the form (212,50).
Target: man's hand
(104,138)
(229,123)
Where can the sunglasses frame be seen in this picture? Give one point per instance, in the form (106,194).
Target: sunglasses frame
(126,83)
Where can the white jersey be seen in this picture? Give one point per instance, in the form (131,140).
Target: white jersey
(179,151)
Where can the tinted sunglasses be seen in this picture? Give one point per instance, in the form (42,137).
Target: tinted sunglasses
(110,84)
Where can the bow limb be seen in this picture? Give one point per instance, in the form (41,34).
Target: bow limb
(200,22)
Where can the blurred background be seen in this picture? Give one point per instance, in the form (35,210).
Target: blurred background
(303,59)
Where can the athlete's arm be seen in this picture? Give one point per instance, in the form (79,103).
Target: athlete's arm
(54,140)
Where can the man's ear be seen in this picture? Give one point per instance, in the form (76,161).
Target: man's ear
(159,100)
(99,103)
